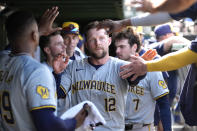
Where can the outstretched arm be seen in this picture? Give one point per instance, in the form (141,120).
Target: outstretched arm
(168,62)
(141,20)
(173,60)
(171,6)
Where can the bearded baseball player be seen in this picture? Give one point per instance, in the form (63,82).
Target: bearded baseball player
(97,79)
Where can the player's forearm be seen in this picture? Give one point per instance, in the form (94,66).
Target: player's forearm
(150,19)
(173,60)
(45,120)
(165,113)
(174,6)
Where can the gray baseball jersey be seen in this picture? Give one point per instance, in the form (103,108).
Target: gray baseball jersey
(25,85)
(63,103)
(78,54)
(141,99)
(103,87)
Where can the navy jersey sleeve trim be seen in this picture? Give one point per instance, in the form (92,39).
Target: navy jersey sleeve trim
(164,94)
(45,120)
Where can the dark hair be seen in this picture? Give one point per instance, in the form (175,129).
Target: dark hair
(45,41)
(89,26)
(133,37)
(17,24)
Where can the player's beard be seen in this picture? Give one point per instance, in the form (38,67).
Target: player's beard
(98,55)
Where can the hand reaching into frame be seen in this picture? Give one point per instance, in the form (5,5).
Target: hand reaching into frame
(46,21)
(111,26)
(136,68)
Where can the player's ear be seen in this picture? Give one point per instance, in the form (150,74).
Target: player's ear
(34,36)
(109,41)
(47,50)
(134,47)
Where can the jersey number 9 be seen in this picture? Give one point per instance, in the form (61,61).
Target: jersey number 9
(6,110)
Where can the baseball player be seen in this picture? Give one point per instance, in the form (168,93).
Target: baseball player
(27,88)
(97,79)
(141,99)
(53,45)
(71,36)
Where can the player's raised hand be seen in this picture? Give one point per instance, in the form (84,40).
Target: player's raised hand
(46,21)
(144,5)
(111,26)
(60,62)
(149,55)
(136,68)
(80,117)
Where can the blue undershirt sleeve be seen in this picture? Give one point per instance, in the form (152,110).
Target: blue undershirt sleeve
(165,114)
(45,120)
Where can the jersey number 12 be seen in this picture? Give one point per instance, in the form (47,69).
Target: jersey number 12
(110,104)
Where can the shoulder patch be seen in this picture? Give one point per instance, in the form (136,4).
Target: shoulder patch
(162,84)
(43,92)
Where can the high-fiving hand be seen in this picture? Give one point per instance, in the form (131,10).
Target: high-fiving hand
(46,21)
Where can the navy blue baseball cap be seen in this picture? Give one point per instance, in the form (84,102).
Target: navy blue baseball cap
(162,30)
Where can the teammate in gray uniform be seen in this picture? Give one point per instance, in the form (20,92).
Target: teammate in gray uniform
(141,99)
(70,34)
(53,45)
(27,88)
(97,79)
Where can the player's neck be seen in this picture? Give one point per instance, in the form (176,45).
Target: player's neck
(23,46)
(101,61)
(22,51)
